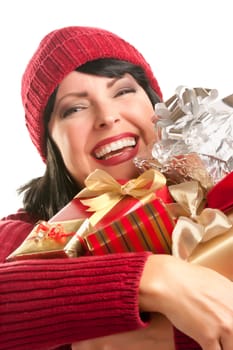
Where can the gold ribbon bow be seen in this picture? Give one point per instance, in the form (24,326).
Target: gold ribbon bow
(189,199)
(103,192)
(205,239)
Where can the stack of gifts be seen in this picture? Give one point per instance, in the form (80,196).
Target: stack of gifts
(195,152)
(181,204)
(106,217)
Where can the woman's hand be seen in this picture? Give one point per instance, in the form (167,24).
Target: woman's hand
(157,335)
(197,300)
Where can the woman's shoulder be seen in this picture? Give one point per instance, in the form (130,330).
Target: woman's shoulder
(14,228)
(20,215)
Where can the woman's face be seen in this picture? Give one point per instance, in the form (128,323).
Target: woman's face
(101,122)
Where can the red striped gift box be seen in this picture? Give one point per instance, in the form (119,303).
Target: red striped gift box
(148,227)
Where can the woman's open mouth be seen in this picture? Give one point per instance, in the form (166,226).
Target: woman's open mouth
(117,150)
(113,148)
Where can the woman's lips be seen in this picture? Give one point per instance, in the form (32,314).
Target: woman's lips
(116,149)
(106,150)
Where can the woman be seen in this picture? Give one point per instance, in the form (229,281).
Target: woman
(89,102)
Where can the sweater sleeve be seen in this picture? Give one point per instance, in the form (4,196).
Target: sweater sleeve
(49,303)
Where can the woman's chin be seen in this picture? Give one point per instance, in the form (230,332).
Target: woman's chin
(124,171)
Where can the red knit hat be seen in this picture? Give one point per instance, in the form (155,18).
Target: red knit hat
(58,54)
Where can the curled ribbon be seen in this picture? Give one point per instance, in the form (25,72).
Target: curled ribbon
(44,230)
(103,192)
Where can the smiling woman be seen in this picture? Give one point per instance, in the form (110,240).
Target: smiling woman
(96,126)
(89,101)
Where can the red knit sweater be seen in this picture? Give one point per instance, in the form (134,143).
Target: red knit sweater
(45,304)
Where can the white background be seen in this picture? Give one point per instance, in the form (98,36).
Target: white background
(187,42)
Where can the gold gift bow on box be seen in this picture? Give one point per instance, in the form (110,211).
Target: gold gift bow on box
(103,192)
(205,238)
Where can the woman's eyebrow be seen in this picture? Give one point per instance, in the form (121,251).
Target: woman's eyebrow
(85,93)
(113,81)
(70,94)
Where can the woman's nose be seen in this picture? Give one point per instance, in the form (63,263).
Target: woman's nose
(106,118)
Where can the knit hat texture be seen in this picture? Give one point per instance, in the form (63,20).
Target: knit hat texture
(59,53)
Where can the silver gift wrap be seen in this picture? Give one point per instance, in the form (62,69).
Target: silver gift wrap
(194,132)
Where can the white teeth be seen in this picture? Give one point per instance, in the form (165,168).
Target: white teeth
(115,146)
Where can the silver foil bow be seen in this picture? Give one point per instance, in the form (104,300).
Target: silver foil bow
(195,137)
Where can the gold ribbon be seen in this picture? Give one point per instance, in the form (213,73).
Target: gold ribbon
(206,239)
(189,198)
(201,236)
(103,192)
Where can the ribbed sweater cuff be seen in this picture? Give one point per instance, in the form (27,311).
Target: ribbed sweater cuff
(47,303)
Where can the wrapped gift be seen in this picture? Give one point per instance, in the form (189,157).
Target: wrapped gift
(46,240)
(133,212)
(148,227)
(206,240)
(204,235)
(221,195)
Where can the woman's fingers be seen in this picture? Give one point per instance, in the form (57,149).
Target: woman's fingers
(198,301)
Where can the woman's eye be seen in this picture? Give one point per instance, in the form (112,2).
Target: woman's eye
(72,110)
(125,91)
